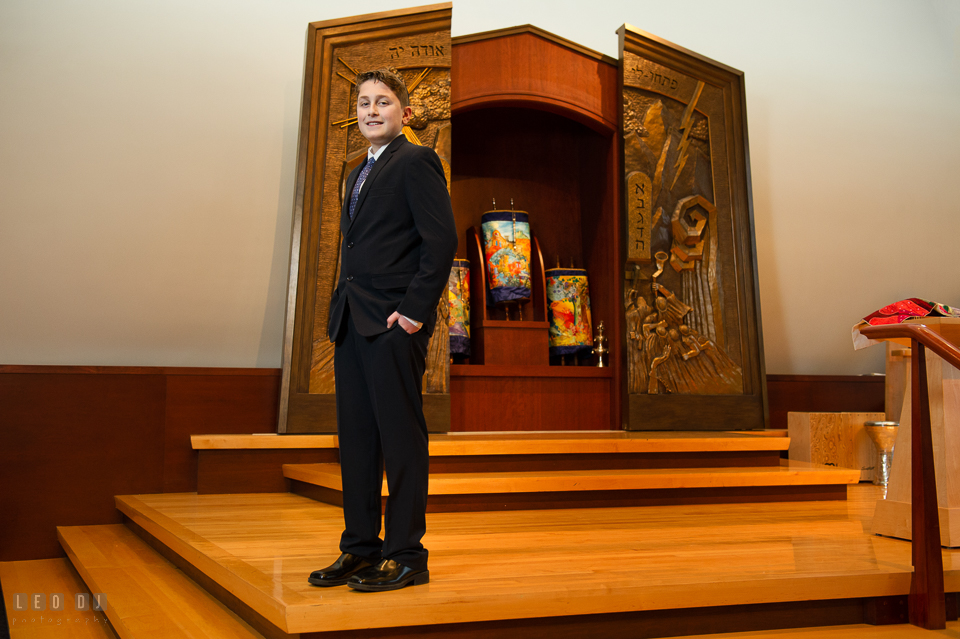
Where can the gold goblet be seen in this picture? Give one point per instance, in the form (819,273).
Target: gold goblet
(884,436)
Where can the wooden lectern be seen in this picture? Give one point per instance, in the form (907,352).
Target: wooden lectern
(930,418)
(892,517)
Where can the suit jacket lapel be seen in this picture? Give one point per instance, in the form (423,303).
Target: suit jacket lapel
(348,191)
(374,172)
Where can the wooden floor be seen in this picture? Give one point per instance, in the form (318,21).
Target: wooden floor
(57,575)
(856,631)
(489,566)
(48,576)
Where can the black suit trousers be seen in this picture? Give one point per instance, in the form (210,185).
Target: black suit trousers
(380,425)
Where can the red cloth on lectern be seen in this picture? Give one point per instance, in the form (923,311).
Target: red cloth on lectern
(899,312)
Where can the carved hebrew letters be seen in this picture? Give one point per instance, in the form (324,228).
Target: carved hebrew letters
(399,52)
(639,216)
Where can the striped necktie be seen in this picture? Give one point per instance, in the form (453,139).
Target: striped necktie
(364,172)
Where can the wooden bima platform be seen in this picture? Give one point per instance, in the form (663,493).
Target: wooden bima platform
(641,572)
(235,565)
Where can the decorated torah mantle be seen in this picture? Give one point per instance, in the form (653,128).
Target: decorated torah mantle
(458,296)
(506,248)
(568,308)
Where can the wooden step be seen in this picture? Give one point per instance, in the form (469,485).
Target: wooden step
(49,577)
(605,450)
(147,596)
(528,443)
(252,463)
(659,571)
(789,481)
(262,441)
(531,443)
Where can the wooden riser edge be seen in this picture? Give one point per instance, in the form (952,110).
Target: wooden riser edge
(653,624)
(601,499)
(603,461)
(520,442)
(260,623)
(259,471)
(224,472)
(596,481)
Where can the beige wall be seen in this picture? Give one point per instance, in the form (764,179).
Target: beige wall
(148,148)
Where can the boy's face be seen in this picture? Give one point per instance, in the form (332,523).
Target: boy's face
(379,114)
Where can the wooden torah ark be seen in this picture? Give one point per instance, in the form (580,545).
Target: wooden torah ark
(533,119)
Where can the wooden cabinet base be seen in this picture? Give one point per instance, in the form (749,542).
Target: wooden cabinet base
(834,439)
(318,413)
(892,519)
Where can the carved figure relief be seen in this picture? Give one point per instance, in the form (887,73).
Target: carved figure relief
(677,337)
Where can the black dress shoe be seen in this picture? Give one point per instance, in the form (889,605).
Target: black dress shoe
(339,571)
(387,575)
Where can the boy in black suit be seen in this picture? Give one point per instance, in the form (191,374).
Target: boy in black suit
(399,241)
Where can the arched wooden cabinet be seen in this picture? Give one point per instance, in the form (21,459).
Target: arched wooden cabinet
(535,121)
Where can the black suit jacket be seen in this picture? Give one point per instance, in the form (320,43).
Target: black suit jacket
(397,250)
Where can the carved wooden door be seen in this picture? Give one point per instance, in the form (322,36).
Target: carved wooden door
(415,43)
(690,295)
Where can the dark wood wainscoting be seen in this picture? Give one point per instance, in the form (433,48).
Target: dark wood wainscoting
(72,437)
(822,394)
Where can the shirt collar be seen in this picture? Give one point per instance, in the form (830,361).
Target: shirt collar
(376,156)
